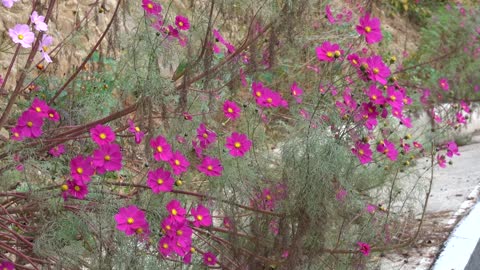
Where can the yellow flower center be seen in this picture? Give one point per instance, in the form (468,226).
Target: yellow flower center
(20,36)
(174,212)
(360,152)
(103,136)
(137,129)
(177,162)
(393,98)
(230,110)
(159,149)
(139,231)
(16,134)
(205,135)
(38,109)
(179,233)
(374,97)
(77,188)
(160,181)
(150,5)
(269,100)
(200,217)
(268,197)
(209,167)
(130,220)
(330,54)
(209,259)
(376,70)
(165,245)
(192,249)
(354,61)
(180,24)
(45,48)
(51,115)
(237,145)
(168,227)
(79,170)
(337,53)
(294,93)
(368,29)
(107,158)
(29,124)
(64,187)
(258,93)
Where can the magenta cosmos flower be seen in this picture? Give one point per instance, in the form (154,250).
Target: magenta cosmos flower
(161,149)
(182,23)
(76,189)
(209,258)
(102,135)
(165,246)
(231,110)
(387,148)
(377,70)
(22,35)
(39,22)
(136,131)
(53,115)
(296,92)
(375,95)
(266,97)
(40,107)
(177,212)
(30,124)
(151,7)
(363,152)
(57,150)
(107,158)
(16,134)
(443,83)
(81,168)
(205,136)
(130,219)
(160,181)
(179,163)
(442,162)
(238,144)
(210,166)
(44,48)
(8,4)
(202,216)
(6,265)
(370,28)
(452,149)
(364,248)
(328,52)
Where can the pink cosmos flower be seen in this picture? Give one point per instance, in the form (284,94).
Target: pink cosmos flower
(329,15)
(377,70)
(417,145)
(136,131)
(177,212)
(210,166)
(364,248)
(370,208)
(460,118)
(370,28)
(205,136)
(394,97)
(238,144)
(57,150)
(209,258)
(168,225)
(231,110)
(328,52)
(102,135)
(266,97)
(161,149)
(22,35)
(388,148)
(44,48)
(129,219)
(53,115)
(77,189)
(6,265)
(165,246)
(179,163)
(202,216)
(160,181)
(182,23)
(452,149)
(107,158)
(363,152)
(81,168)
(182,231)
(375,95)
(182,245)
(354,59)
(40,107)
(341,194)
(30,124)
(39,22)
(442,162)
(151,7)
(297,92)
(443,83)
(9,4)
(425,96)
(465,106)
(16,134)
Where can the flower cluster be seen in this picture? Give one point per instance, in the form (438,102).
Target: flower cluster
(266,97)
(131,220)
(30,123)
(154,10)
